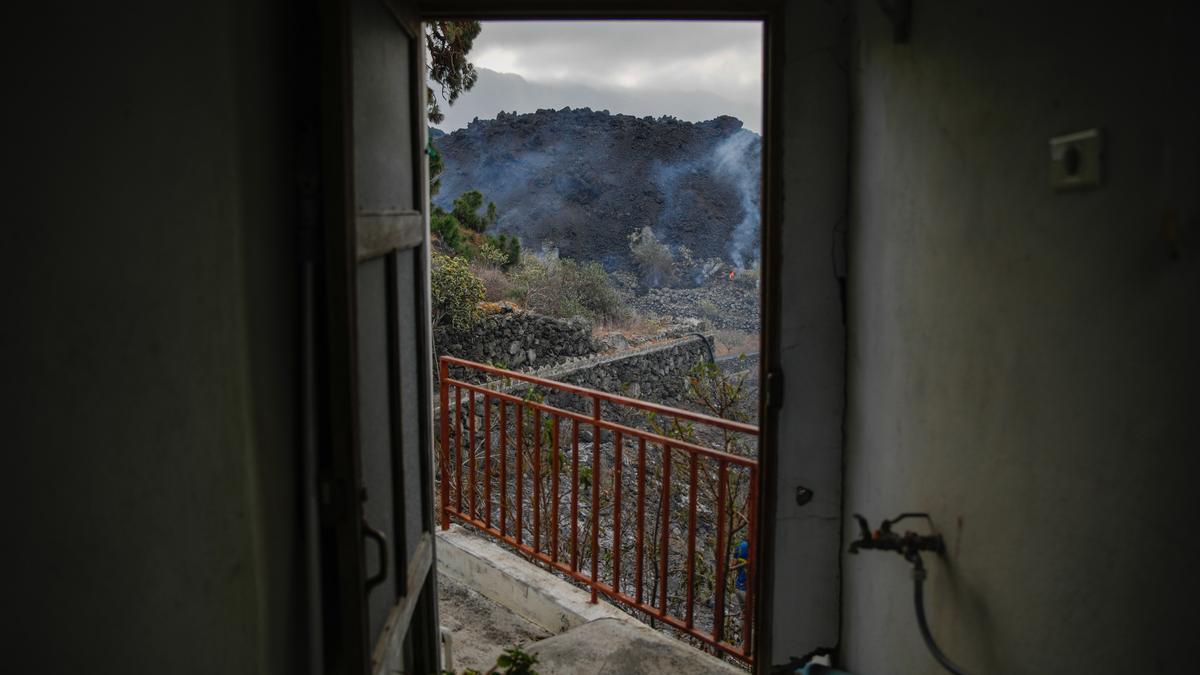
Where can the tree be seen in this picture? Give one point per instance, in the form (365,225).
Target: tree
(510,246)
(447,228)
(448,43)
(466,210)
(436,166)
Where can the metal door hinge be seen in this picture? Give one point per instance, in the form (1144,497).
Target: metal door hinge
(774,389)
(332,498)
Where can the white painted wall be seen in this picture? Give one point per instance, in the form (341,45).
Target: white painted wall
(149,455)
(802,581)
(1023,364)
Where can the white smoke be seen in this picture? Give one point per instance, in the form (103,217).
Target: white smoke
(732,159)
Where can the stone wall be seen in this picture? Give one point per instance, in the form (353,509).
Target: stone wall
(518,340)
(656,373)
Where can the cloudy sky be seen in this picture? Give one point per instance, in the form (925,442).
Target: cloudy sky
(694,70)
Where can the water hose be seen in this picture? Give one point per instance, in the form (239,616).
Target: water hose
(918,575)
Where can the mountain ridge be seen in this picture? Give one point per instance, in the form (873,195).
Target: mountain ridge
(496,90)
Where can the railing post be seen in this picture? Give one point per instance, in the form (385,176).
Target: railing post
(444,403)
(722,558)
(616,555)
(595,495)
(691,551)
(751,564)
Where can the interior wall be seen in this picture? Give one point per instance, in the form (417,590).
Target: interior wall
(805,327)
(1022,362)
(149,334)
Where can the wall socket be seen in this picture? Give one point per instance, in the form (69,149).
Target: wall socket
(1075,160)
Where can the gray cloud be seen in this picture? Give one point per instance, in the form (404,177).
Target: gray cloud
(689,69)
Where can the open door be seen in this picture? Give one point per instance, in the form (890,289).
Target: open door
(375,474)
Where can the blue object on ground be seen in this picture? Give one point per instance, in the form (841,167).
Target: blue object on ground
(740,555)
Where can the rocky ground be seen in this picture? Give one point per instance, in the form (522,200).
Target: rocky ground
(722,303)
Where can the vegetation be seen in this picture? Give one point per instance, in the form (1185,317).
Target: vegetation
(719,394)
(462,231)
(436,166)
(514,661)
(447,44)
(456,293)
(466,211)
(566,288)
(653,258)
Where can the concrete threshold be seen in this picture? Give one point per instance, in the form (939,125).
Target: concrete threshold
(529,591)
(542,598)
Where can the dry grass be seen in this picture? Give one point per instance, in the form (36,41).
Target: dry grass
(731,341)
(634,324)
(496,284)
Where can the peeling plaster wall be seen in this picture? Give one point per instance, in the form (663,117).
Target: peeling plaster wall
(1023,363)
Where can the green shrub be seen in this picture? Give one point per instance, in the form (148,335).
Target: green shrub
(448,230)
(565,288)
(456,293)
(466,211)
(487,253)
(509,245)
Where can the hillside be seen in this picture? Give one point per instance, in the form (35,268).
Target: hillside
(583,180)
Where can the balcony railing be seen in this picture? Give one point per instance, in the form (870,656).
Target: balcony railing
(673,502)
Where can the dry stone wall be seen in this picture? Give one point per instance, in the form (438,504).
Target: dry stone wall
(518,340)
(656,373)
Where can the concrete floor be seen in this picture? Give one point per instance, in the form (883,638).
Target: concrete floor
(481,629)
(523,602)
(614,647)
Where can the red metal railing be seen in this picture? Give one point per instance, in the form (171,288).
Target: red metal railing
(712,508)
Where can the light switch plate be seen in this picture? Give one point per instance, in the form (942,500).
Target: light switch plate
(1075,160)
